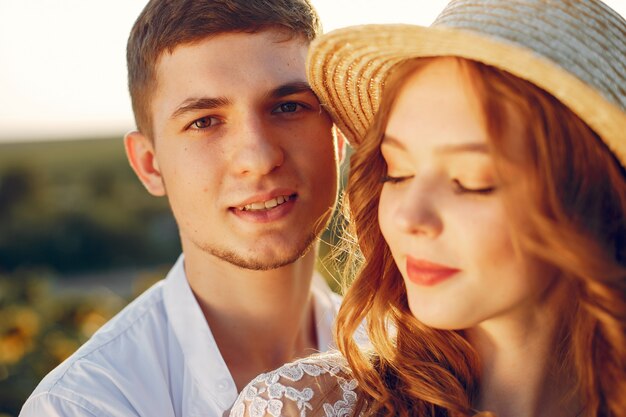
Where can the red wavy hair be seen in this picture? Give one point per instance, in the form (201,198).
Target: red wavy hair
(574,219)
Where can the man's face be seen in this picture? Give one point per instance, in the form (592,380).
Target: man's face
(245,153)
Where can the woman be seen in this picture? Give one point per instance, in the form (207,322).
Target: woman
(488,195)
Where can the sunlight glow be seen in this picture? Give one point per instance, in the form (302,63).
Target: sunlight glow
(63,71)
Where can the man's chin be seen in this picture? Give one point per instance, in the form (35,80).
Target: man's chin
(261,262)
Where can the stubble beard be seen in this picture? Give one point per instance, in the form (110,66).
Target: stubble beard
(257,264)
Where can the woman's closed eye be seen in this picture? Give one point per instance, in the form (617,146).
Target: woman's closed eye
(460,188)
(394,179)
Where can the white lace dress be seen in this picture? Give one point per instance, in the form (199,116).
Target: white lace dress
(316,386)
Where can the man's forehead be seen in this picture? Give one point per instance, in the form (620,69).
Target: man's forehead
(271,36)
(230,67)
(235,52)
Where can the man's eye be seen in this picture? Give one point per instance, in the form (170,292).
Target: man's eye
(459,188)
(205,122)
(287,108)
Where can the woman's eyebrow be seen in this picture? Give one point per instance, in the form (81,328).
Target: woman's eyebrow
(393,142)
(474,147)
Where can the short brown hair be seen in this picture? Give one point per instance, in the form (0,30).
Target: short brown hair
(166,24)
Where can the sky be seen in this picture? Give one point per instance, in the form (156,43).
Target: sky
(63,68)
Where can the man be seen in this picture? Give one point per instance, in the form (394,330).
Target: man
(230,132)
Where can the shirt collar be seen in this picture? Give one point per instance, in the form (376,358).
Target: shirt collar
(202,356)
(325,306)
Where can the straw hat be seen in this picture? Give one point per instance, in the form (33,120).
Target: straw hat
(574,49)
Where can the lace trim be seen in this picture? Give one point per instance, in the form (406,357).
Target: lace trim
(268,385)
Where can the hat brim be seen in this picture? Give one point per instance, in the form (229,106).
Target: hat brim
(347,69)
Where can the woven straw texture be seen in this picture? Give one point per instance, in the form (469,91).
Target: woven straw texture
(574,49)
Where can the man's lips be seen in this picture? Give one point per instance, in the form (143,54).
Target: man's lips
(266,201)
(266,207)
(427,273)
(267,204)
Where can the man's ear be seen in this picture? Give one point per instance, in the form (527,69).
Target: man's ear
(341,144)
(142,158)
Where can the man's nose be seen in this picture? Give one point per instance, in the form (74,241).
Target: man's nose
(259,150)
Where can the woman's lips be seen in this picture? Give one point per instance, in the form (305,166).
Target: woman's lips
(422,272)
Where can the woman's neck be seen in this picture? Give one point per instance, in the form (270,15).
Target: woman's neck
(522,373)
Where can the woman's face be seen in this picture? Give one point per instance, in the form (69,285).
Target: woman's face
(441,209)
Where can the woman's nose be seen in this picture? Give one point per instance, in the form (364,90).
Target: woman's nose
(417,212)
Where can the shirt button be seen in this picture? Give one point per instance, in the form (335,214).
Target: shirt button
(223,385)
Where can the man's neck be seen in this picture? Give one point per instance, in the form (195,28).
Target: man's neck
(259,319)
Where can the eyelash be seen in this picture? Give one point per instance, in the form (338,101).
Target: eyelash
(392,180)
(458,187)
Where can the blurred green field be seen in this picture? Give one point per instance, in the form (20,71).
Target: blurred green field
(73,219)
(70,212)
(57,155)
(76,206)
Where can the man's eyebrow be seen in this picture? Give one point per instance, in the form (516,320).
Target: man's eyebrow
(289,89)
(474,147)
(201,103)
(207,103)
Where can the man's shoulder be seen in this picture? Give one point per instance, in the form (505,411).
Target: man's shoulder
(101,376)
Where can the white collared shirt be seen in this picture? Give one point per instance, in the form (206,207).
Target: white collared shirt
(156,358)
